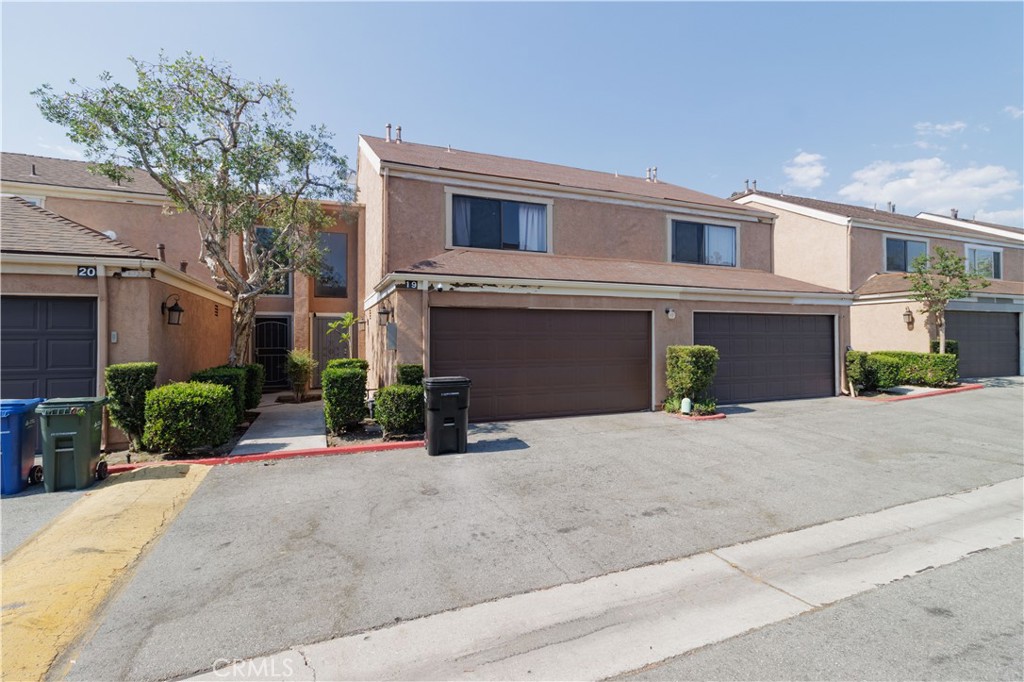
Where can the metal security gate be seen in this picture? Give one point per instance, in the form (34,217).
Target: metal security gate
(989,342)
(47,347)
(769,357)
(328,347)
(272,339)
(544,363)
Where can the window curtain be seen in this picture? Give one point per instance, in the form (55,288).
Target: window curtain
(719,245)
(460,221)
(533,227)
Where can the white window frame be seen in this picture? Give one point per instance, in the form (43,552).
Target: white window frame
(714,222)
(450,192)
(902,238)
(982,247)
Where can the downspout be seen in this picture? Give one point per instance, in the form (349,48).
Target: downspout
(425,329)
(845,387)
(103,342)
(384,225)
(849,255)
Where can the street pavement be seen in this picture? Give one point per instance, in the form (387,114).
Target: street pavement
(268,557)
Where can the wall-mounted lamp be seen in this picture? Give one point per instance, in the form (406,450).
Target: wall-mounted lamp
(383,315)
(172,311)
(908,318)
(671,312)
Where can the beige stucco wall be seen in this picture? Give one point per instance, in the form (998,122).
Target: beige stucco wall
(413,330)
(1013,264)
(809,249)
(880,326)
(370,195)
(867,249)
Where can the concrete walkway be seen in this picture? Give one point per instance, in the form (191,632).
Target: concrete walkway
(284,426)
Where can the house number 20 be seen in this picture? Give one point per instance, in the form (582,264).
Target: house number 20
(87,271)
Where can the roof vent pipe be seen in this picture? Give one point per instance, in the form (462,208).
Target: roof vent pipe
(387,136)
(893,208)
(654,174)
(160,252)
(183,265)
(746,185)
(953,213)
(755,185)
(398,134)
(648,174)
(34,170)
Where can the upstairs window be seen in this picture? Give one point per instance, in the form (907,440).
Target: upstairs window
(332,282)
(984,261)
(900,253)
(266,236)
(703,244)
(484,223)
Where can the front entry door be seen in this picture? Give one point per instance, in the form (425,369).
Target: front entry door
(272,341)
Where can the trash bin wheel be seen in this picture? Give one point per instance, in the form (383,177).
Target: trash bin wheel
(101,471)
(35,474)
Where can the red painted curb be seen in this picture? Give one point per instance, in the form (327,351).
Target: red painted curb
(943,391)
(268,456)
(698,417)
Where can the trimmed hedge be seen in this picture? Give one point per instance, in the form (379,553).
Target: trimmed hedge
(884,371)
(399,409)
(924,369)
(410,375)
(255,376)
(857,370)
(690,370)
(952,346)
(348,363)
(344,393)
(182,417)
(127,384)
(233,378)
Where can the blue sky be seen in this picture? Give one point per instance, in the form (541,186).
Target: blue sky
(916,103)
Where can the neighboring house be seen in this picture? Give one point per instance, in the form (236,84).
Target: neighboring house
(988,228)
(867,252)
(74,301)
(557,290)
(134,214)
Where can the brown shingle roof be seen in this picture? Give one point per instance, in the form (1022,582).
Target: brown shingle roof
(67,173)
(505,264)
(26,228)
(881,217)
(441,158)
(897,283)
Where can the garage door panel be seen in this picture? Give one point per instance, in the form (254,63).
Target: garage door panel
(769,357)
(989,343)
(539,363)
(75,354)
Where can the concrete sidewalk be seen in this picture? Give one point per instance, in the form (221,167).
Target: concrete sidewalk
(284,426)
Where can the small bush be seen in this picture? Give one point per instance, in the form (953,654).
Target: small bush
(884,370)
(184,416)
(255,376)
(344,391)
(672,403)
(399,409)
(300,370)
(705,407)
(924,369)
(858,371)
(410,375)
(952,346)
(348,363)
(127,385)
(690,370)
(233,378)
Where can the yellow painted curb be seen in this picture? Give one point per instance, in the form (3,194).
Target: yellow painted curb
(55,582)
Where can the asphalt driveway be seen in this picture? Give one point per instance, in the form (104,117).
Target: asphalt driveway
(266,557)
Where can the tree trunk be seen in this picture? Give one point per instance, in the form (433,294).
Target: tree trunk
(940,322)
(243,321)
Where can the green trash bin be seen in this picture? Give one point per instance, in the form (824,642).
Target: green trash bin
(72,428)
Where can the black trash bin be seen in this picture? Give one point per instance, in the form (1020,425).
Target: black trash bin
(447,413)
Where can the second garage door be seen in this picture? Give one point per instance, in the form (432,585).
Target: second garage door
(989,342)
(544,363)
(769,357)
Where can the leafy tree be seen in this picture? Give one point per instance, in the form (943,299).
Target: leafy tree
(345,324)
(226,151)
(937,280)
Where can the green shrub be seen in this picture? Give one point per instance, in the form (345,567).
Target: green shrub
(858,371)
(672,403)
(348,363)
(884,370)
(127,385)
(300,370)
(255,375)
(233,378)
(399,409)
(690,370)
(924,369)
(952,346)
(705,407)
(410,375)
(344,392)
(184,416)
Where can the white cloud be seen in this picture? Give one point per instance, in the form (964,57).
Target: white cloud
(1015,112)
(932,185)
(1011,216)
(926,129)
(806,171)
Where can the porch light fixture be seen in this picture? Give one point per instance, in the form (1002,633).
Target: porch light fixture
(172,311)
(671,313)
(383,315)
(908,318)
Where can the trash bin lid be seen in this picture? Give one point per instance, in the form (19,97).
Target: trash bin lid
(64,403)
(9,407)
(441,382)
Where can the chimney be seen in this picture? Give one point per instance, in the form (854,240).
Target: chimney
(953,213)
(183,265)
(398,134)
(387,137)
(160,252)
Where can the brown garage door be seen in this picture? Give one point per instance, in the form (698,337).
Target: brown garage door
(544,363)
(769,357)
(989,342)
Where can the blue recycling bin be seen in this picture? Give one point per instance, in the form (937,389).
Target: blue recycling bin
(17,443)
